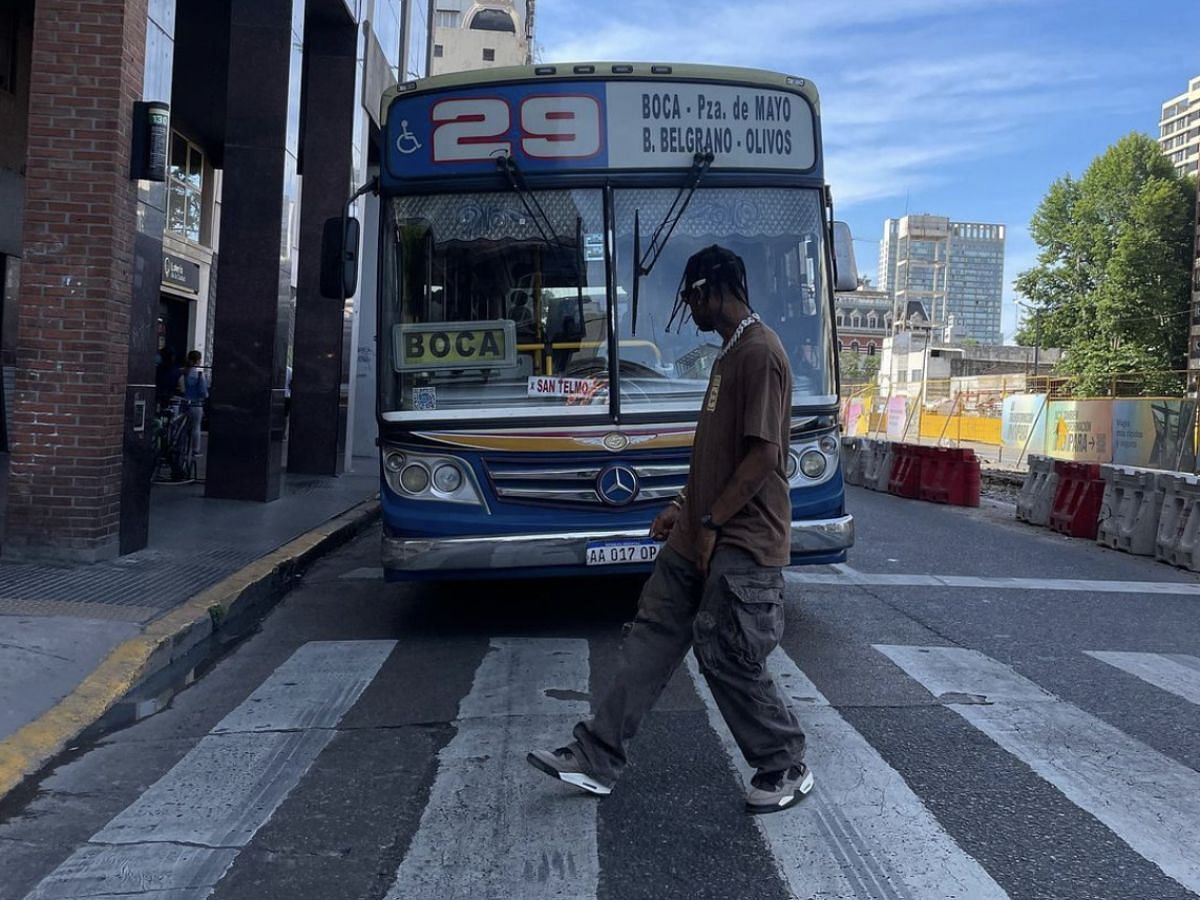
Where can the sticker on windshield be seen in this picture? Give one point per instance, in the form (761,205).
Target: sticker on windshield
(455,345)
(577,389)
(424,398)
(593,247)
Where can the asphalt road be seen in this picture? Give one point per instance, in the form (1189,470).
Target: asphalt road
(992,711)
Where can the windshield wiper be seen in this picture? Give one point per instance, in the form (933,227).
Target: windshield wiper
(508,167)
(643,265)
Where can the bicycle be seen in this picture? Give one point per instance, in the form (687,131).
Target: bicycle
(174,462)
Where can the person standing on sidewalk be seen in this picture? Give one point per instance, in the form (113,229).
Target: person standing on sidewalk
(717,585)
(193,384)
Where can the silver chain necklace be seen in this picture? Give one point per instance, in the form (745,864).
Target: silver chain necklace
(751,319)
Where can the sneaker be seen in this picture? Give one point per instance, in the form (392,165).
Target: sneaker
(774,791)
(564,765)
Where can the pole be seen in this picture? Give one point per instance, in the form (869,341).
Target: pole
(1037,342)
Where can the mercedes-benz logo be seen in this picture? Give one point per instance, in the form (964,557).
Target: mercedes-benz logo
(617,485)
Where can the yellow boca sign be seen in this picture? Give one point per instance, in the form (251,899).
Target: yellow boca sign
(454,345)
(1080,430)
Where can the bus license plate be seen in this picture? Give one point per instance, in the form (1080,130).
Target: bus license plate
(620,553)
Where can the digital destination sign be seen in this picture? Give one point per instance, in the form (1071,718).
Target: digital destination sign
(581,125)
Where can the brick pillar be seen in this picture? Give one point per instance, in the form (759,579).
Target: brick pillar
(76,280)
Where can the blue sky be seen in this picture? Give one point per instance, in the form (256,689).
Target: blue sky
(964,108)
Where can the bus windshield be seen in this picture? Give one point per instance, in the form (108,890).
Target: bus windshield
(495,304)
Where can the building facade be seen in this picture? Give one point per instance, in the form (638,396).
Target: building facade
(864,319)
(1179,129)
(481,34)
(1194,342)
(158,195)
(955,270)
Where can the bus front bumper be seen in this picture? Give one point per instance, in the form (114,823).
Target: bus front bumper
(818,538)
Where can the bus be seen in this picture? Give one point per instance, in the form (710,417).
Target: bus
(536,409)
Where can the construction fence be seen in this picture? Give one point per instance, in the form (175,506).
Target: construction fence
(1006,419)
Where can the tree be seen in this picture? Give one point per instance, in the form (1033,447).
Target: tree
(1112,281)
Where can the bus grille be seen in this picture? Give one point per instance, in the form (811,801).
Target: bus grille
(576,484)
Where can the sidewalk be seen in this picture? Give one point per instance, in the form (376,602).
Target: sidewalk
(58,626)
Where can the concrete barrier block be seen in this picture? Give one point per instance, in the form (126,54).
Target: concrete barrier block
(1036,499)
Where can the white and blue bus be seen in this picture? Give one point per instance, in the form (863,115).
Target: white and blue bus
(535,412)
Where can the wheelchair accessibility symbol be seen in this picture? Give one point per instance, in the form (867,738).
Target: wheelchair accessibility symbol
(407,142)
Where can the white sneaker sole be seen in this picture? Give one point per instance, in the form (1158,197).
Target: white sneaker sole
(786,802)
(575,779)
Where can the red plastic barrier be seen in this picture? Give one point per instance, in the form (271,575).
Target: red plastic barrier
(1076,510)
(950,476)
(905,480)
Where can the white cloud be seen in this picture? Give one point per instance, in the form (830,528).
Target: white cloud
(901,104)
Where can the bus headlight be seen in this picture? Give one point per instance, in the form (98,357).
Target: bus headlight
(414,475)
(414,478)
(813,459)
(447,478)
(813,464)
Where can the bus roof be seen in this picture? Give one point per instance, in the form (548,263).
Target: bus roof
(607,71)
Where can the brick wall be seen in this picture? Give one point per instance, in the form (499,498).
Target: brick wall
(76,280)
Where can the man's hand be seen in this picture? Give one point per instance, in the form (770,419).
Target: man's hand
(664,523)
(706,545)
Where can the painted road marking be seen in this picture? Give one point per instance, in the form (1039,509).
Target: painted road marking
(363,573)
(862,832)
(1175,673)
(1148,800)
(847,575)
(493,827)
(184,832)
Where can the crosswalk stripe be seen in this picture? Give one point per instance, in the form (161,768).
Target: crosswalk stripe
(184,832)
(493,827)
(845,575)
(1149,801)
(1177,674)
(862,832)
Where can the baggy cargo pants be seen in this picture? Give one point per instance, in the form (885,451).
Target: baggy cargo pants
(734,619)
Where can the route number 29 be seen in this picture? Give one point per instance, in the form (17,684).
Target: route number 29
(477,128)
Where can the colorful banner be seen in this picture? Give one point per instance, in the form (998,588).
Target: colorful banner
(897,418)
(1156,434)
(1080,430)
(1023,422)
(855,422)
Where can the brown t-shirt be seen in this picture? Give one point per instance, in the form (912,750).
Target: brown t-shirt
(749,396)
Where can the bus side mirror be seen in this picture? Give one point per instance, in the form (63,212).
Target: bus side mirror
(845,272)
(339,258)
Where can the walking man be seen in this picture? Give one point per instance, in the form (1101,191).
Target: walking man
(718,583)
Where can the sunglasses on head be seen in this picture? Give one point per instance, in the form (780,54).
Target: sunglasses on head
(692,291)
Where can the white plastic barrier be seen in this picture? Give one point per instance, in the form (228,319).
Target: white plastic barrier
(1179,523)
(1131,509)
(884,458)
(1037,493)
(853,452)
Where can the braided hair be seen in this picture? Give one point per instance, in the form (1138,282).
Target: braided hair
(708,269)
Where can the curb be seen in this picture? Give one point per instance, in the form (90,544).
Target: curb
(251,591)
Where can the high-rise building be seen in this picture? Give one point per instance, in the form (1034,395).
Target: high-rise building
(1194,341)
(1179,129)
(481,34)
(954,270)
